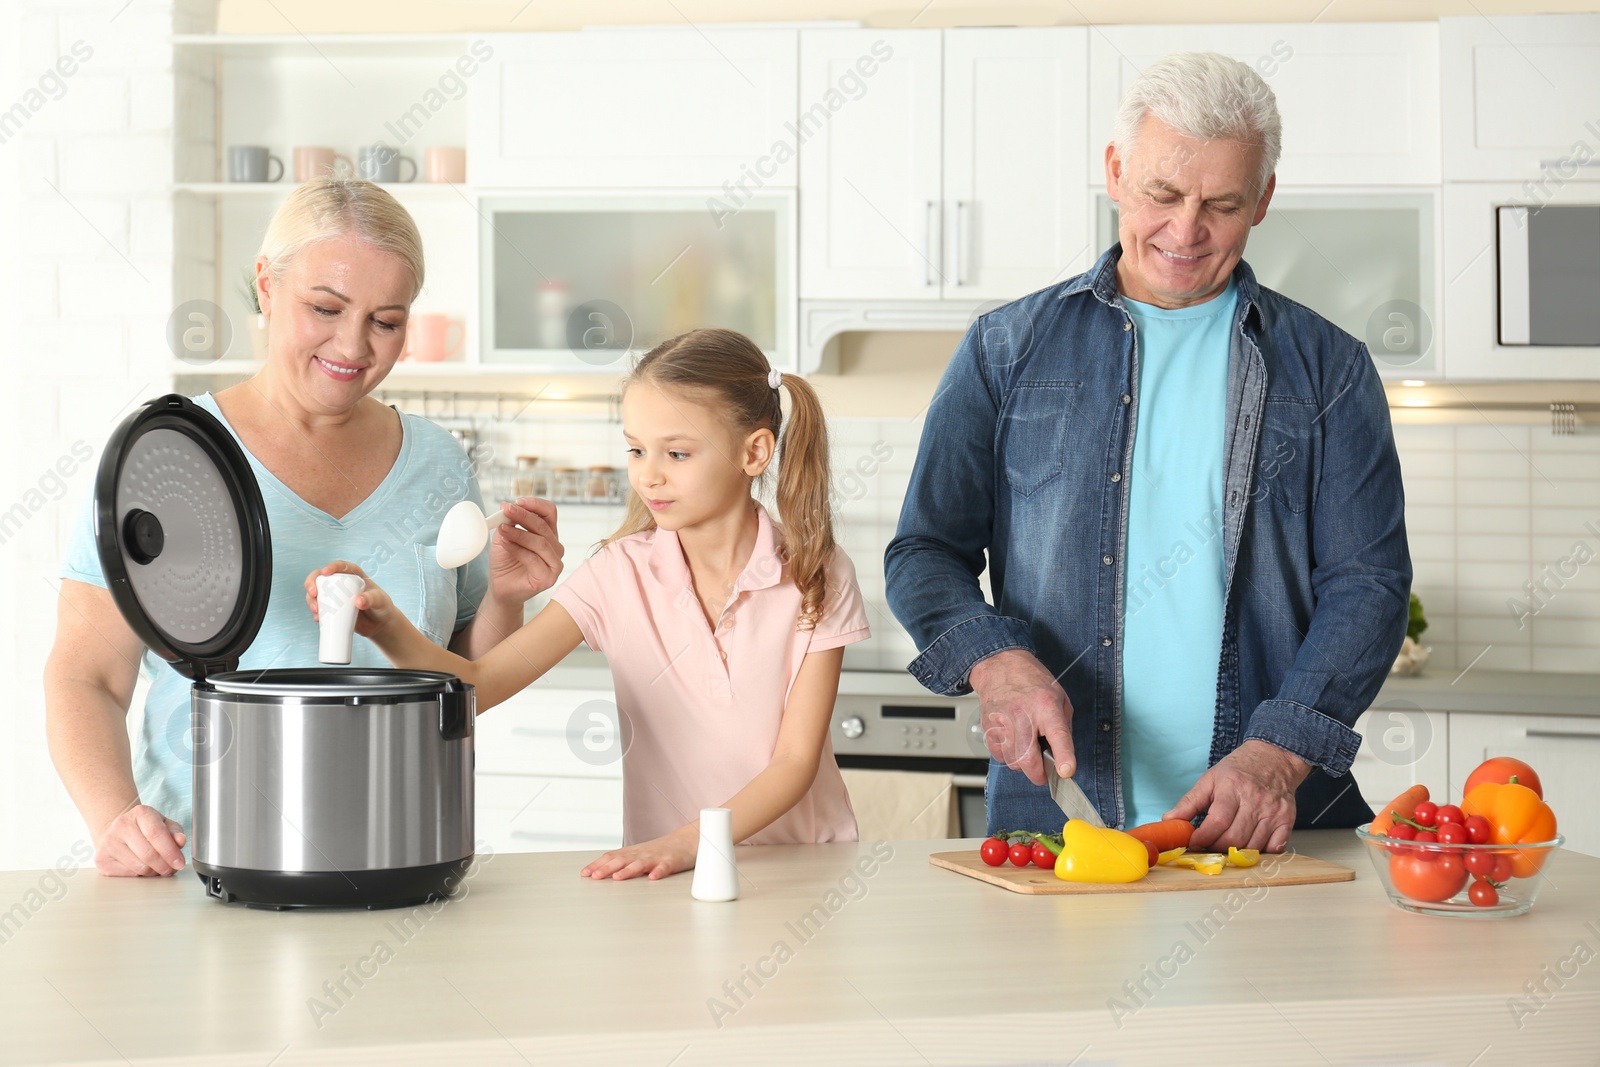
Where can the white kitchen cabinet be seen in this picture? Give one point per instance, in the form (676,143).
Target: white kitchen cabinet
(1359,101)
(868,135)
(1519,99)
(635,109)
(1401,745)
(528,813)
(1014,126)
(1564,750)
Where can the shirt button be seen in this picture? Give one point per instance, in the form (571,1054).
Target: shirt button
(1105,640)
(1126,399)
(1105,727)
(1126,326)
(1106,560)
(1116,476)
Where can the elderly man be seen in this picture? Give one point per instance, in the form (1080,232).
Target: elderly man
(1188,494)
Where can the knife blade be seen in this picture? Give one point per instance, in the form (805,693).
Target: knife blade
(1067,794)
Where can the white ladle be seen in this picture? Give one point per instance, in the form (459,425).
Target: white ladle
(463,534)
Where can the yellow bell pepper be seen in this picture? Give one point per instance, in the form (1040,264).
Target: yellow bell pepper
(1093,854)
(1204,862)
(1243,857)
(1171,854)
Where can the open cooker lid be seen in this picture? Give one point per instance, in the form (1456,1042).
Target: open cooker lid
(182,534)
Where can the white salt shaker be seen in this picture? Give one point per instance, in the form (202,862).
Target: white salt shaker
(716,876)
(336,612)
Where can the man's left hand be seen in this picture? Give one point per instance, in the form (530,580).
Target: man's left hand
(1248,797)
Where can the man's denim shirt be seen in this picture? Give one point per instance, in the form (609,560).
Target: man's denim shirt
(1025,456)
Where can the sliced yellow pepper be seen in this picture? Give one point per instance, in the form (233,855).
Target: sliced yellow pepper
(1095,854)
(1204,862)
(1171,854)
(1243,857)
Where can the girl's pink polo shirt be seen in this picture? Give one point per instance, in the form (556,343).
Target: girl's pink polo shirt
(699,707)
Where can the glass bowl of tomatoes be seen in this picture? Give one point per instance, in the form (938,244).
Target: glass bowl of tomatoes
(1482,881)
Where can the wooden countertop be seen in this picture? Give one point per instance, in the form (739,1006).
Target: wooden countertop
(900,963)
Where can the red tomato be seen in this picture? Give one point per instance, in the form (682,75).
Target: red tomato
(1021,855)
(994,851)
(1043,857)
(1479,862)
(1478,829)
(1450,813)
(1502,869)
(1427,880)
(1426,837)
(1427,814)
(1503,769)
(1452,833)
(1483,895)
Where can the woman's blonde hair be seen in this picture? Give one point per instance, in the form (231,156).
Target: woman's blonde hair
(729,373)
(325,208)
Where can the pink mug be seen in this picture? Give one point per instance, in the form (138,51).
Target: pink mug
(444,165)
(428,338)
(311,163)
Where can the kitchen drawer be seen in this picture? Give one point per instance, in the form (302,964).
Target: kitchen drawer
(529,813)
(553,733)
(1401,745)
(1564,750)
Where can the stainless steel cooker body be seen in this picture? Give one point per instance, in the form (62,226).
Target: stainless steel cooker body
(332,786)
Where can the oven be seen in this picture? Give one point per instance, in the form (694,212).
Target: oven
(921,733)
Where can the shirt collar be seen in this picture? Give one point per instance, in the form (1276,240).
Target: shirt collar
(763,570)
(1101,280)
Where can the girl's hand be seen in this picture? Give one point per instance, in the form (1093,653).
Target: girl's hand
(524,553)
(656,859)
(375,608)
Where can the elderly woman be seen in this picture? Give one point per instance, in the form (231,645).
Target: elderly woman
(341,474)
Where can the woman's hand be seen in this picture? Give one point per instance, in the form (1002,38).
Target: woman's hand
(656,859)
(375,609)
(525,553)
(141,842)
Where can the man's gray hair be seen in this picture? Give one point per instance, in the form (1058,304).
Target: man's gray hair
(1208,97)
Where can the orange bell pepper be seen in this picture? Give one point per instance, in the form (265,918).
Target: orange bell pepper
(1516,816)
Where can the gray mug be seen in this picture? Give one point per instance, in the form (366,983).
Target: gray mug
(252,163)
(380,163)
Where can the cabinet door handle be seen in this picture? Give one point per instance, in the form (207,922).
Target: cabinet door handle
(961,224)
(1552,164)
(1562,735)
(930,218)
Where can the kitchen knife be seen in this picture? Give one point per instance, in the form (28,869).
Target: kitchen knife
(1067,793)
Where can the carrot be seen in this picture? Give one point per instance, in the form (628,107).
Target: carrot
(1164,835)
(1404,805)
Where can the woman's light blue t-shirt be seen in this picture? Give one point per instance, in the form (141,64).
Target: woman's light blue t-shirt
(391,535)
(1172,608)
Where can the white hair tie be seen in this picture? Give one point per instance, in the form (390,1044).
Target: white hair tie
(775,377)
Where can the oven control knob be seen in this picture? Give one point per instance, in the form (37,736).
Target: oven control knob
(853,727)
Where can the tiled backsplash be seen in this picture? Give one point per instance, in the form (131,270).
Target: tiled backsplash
(1503,520)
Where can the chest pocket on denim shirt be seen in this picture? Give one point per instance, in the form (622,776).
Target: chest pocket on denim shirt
(1286,455)
(1033,432)
(436,614)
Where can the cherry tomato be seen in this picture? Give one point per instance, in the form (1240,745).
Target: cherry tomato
(1043,857)
(1479,862)
(1427,880)
(994,851)
(1483,895)
(1425,837)
(1502,869)
(1478,829)
(1021,855)
(1450,813)
(1427,814)
(1153,853)
(1452,833)
(1503,769)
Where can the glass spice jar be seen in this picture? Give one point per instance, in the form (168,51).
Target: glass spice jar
(523,483)
(600,480)
(566,483)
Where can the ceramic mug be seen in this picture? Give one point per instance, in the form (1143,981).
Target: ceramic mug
(380,163)
(311,163)
(428,338)
(445,165)
(252,163)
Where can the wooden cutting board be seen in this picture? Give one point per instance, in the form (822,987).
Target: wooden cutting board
(1289,868)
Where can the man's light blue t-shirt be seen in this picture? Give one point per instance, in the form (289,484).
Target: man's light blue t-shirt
(1172,614)
(391,535)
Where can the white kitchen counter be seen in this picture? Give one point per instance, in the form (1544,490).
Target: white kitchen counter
(907,964)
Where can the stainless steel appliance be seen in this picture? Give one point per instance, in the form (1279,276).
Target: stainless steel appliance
(917,733)
(1549,274)
(312,786)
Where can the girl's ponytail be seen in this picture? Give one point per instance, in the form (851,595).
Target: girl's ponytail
(804,507)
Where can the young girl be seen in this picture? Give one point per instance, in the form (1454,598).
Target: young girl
(724,632)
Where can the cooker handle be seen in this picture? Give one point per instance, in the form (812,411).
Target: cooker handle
(456,707)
